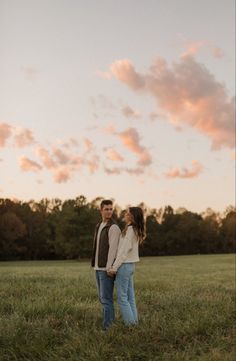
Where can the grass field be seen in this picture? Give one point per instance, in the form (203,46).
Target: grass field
(49,311)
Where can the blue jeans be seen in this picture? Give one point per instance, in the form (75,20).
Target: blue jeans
(105,285)
(125,293)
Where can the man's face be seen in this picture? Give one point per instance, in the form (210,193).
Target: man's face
(106,212)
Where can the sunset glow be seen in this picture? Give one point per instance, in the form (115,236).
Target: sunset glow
(104,100)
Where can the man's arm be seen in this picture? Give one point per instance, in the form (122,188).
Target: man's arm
(114,236)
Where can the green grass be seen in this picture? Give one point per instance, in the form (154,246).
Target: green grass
(49,311)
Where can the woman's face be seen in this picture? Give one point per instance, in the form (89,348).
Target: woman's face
(128,217)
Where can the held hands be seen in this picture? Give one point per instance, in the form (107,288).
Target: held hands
(111,272)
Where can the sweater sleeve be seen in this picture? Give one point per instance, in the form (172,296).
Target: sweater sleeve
(114,236)
(125,246)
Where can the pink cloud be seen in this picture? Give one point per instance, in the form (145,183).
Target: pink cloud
(104,74)
(72,142)
(145,158)
(128,112)
(77,161)
(112,170)
(46,159)
(131,140)
(114,155)
(134,171)
(186,173)
(110,129)
(23,138)
(124,71)
(120,170)
(88,144)
(61,156)
(193,48)
(62,174)
(92,163)
(27,164)
(63,165)
(5,133)
(154,116)
(217,53)
(188,93)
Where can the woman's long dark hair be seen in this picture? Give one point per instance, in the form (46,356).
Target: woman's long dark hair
(137,223)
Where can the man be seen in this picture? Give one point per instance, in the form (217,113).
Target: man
(106,239)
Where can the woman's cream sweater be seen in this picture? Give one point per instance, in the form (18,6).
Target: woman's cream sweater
(128,249)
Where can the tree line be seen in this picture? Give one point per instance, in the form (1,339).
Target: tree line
(56,229)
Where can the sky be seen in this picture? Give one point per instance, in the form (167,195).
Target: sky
(131,100)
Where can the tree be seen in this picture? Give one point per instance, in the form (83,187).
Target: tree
(228,232)
(51,229)
(151,245)
(11,232)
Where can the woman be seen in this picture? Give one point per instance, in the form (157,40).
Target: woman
(124,265)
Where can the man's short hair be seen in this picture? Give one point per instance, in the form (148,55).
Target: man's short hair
(106,202)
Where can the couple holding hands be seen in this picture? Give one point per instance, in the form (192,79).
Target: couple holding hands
(114,256)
